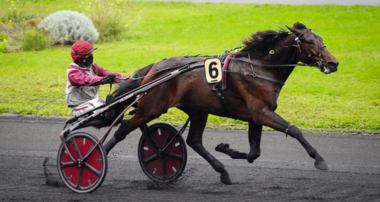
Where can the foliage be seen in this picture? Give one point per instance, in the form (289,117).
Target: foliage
(14,34)
(106,15)
(34,40)
(66,27)
(3,48)
(19,28)
(346,100)
(12,13)
(3,40)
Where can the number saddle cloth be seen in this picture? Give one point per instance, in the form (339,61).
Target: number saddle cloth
(223,84)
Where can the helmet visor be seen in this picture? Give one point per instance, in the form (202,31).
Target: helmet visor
(85,55)
(89,52)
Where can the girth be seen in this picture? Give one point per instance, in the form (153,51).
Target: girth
(219,87)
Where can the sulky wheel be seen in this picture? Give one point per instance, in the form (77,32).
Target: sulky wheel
(165,158)
(82,175)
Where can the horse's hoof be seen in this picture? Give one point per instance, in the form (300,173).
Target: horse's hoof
(252,157)
(225,178)
(321,165)
(221,147)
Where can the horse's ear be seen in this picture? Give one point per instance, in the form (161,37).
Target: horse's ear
(292,29)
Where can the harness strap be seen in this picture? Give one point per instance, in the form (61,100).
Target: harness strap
(222,101)
(284,65)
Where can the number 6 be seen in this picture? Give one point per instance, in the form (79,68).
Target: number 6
(213,70)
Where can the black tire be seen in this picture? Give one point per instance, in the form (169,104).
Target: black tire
(90,175)
(168,165)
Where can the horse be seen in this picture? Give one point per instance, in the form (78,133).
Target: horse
(255,77)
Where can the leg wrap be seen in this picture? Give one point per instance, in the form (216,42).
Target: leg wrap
(293,131)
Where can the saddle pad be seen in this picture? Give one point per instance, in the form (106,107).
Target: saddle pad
(224,76)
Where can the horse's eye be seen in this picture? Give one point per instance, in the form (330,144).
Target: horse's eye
(310,42)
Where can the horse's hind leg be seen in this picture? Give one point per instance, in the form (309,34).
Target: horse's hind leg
(254,137)
(194,140)
(273,120)
(139,119)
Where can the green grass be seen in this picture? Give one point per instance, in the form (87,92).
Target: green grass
(346,100)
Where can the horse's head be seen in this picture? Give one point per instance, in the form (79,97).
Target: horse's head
(312,50)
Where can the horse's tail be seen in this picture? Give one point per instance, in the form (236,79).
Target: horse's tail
(133,83)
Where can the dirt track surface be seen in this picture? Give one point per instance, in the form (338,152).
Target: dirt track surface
(284,172)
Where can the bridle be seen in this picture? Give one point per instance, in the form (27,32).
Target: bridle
(318,63)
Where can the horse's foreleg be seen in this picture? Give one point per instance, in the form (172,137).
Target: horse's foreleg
(194,140)
(319,163)
(254,137)
(225,148)
(273,120)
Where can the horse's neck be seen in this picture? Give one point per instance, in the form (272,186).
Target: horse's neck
(284,54)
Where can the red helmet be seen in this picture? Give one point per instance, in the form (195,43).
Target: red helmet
(80,49)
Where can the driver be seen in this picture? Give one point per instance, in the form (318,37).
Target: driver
(84,79)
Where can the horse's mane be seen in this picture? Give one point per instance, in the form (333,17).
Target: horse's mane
(262,42)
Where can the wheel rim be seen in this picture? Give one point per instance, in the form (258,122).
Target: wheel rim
(169,164)
(82,177)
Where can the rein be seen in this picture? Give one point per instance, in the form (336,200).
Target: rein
(77,90)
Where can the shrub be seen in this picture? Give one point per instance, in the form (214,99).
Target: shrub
(106,15)
(34,40)
(3,48)
(3,39)
(17,31)
(13,34)
(33,22)
(66,27)
(34,16)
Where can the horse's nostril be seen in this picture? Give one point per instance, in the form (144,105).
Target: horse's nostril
(333,63)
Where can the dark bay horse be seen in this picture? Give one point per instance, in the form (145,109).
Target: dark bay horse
(254,80)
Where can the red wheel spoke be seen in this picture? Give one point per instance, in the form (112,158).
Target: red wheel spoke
(163,167)
(69,164)
(167,140)
(155,145)
(92,169)
(150,159)
(87,154)
(174,156)
(80,178)
(76,148)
